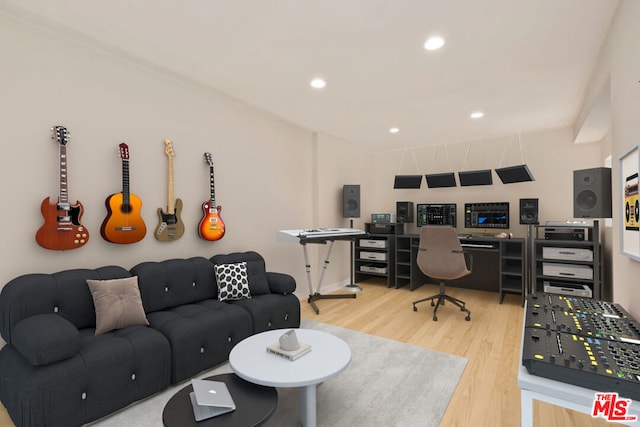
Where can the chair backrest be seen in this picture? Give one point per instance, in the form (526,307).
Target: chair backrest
(440,253)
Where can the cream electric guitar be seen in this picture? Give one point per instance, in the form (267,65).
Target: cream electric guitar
(170,225)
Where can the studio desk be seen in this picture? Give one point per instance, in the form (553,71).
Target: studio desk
(498,265)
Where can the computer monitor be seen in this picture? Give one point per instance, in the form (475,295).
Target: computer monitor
(436,214)
(486,215)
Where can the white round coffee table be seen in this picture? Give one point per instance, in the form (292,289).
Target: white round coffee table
(329,356)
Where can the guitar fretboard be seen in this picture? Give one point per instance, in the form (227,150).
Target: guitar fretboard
(64,187)
(213,188)
(125,182)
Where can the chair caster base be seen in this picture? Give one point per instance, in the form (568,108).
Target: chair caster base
(435,318)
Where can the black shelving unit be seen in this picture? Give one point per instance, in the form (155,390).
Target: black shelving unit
(376,254)
(553,261)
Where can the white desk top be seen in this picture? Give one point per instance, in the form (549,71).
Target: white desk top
(250,360)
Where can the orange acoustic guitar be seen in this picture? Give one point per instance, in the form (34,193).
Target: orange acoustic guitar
(62,229)
(211,225)
(123,223)
(170,225)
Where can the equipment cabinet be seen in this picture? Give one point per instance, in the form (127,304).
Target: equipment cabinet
(568,267)
(375,254)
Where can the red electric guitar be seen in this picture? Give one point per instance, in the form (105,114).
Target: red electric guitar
(62,229)
(123,223)
(211,225)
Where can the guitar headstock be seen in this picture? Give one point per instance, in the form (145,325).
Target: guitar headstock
(209,159)
(168,148)
(60,134)
(124,151)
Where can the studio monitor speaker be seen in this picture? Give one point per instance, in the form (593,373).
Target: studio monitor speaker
(351,201)
(592,193)
(404,212)
(529,211)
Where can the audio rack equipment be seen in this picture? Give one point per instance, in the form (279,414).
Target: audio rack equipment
(584,342)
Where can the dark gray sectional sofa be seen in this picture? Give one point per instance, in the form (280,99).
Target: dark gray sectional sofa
(55,371)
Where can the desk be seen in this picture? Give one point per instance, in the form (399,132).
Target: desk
(498,264)
(555,392)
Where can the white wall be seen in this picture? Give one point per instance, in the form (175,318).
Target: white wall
(264,168)
(625,105)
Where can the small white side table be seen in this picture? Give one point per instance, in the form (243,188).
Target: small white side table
(328,357)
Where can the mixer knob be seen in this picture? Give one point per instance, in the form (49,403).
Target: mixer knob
(567,362)
(573,357)
(580,364)
(594,367)
(552,358)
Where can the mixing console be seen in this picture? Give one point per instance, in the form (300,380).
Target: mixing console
(581,341)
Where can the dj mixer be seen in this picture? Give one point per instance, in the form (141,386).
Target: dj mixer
(581,341)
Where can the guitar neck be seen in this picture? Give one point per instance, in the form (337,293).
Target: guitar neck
(213,188)
(170,200)
(125,182)
(63,197)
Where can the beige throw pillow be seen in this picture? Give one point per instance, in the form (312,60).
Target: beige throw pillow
(118,304)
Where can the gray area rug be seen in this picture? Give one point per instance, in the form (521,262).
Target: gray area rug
(388,383)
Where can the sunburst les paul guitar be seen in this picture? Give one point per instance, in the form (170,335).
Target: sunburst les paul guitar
(170,225)
(123,223)
(211,225)
(62,229)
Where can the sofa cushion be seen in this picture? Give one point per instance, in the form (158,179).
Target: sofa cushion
(233,282)
(45,339)
(256,270)
(118,304)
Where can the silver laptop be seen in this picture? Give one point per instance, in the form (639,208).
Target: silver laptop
(210,399)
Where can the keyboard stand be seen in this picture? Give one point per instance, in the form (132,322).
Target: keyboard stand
(316,295)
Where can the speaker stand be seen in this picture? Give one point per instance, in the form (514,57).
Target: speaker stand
(352,287)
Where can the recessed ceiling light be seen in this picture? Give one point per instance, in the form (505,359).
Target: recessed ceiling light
(394,130)
(318,83)
(434,43)
(476,115)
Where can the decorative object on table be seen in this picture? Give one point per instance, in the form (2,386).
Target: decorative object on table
(170,226)
(289,347)
(211,225)
(62,229)
(123,223)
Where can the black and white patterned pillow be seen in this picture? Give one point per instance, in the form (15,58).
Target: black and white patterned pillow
(233,281)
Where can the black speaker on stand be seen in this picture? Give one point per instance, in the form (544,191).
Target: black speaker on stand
(351,210)
(529,211)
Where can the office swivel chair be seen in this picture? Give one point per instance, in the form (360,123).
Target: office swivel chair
(440,256)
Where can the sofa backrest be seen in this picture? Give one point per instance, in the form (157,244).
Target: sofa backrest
(65,293)
(174,282)
(256,269)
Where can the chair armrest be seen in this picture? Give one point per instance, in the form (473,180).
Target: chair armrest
(280,283)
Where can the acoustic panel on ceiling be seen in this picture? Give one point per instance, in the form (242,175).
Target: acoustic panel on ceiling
(441,180)
(407,181)
(512,174)
(478,177)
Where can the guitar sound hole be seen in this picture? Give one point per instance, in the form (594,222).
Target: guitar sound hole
(126,209)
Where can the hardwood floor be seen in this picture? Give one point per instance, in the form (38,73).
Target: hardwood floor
(488,394)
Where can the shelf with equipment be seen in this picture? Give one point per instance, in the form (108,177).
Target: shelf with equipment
(375,255)
(568,266)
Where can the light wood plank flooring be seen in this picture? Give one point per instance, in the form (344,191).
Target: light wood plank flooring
(488,394)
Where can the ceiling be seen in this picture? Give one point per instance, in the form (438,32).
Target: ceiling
(525,64)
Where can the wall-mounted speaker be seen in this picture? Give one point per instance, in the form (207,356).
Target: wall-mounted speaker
(404,212)
(529,211)
(592,193)
(351,201)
